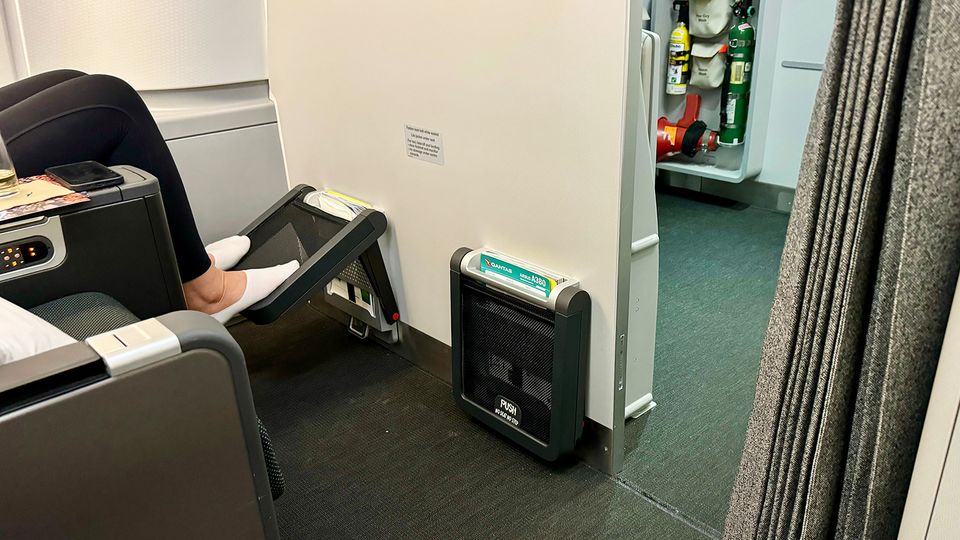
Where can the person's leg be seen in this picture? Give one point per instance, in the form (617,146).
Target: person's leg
(101,118)
(18,91)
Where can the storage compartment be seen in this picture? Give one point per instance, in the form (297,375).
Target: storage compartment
(727,163)
(520,342)
(116,243)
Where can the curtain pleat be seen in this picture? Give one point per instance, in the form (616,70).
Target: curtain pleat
(868,271)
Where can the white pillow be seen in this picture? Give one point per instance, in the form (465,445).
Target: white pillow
(23,334)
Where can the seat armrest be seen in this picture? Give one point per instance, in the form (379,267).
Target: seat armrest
(124,349)
(118,243)
(98,392)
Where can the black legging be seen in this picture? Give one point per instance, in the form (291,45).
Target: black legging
(67,116)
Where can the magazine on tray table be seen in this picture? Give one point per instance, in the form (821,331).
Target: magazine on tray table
(38,194)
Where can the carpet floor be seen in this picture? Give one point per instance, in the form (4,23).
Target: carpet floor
(373,447)
(718,272)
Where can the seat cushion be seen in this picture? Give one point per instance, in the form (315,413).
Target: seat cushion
(85,314)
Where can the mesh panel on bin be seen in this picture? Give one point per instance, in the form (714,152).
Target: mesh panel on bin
(356,275)
(508,351)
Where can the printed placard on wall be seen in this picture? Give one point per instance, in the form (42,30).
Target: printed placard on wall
(423,144)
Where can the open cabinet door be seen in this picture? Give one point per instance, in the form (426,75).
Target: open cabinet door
(639,254)
(644,250)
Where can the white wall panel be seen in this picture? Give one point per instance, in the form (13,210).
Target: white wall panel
(157,44)
(529,99)
(227,189)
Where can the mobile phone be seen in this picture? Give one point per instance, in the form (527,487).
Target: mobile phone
(84,176)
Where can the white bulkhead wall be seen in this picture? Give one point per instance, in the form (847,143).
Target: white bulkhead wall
(529,99)
(153,45)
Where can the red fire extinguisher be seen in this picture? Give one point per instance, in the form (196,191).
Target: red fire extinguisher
(688,136)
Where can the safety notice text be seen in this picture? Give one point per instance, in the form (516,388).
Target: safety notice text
(424,144)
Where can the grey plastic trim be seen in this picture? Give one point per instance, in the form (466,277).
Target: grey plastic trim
(47,228)
(11,225)
(457,259)
(572,300)
(136,182)
(640,407)
(798,64)
(135,346)
(194,330)
(43,365)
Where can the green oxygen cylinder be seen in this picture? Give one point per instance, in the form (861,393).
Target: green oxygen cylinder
(735,95)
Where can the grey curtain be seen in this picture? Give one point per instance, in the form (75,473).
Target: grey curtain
(866,280)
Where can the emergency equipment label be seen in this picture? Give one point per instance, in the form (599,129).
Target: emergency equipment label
(423,144)
(501,267)
(737,71)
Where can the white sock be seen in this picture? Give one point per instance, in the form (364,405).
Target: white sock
(260,283)
(227,253)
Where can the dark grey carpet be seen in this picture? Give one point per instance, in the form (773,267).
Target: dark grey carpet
(372,447)
(718,273)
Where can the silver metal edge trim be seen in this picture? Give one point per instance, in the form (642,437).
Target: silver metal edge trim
(160,343)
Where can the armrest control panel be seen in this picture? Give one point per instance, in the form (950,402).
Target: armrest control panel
(30,246)
(24,253)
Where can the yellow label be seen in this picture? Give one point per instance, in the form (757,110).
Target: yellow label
(349,198)
(671,132)
(736,72)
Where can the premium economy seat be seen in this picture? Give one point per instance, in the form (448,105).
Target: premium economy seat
(145,427)
(88,314)
(145,431)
